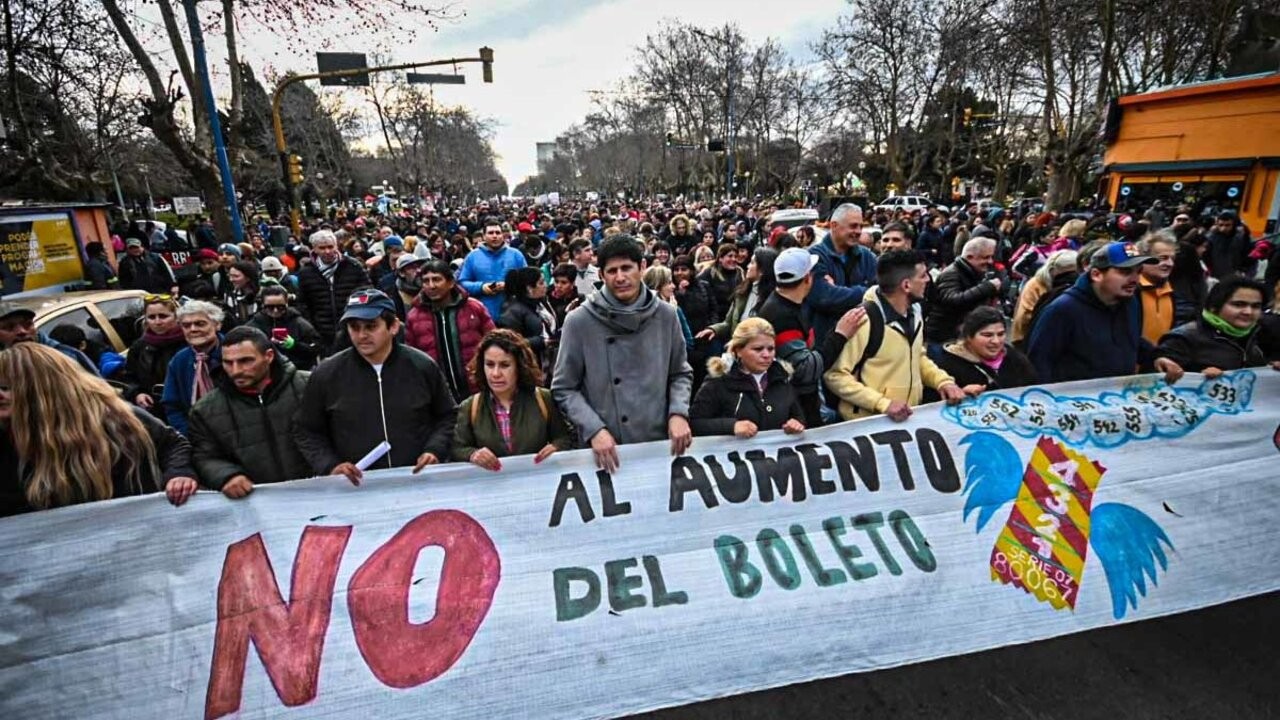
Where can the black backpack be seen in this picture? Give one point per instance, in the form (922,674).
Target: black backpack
(875,316)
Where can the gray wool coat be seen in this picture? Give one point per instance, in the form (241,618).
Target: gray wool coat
(623,368)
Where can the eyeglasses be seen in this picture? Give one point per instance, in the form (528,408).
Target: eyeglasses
(156,298)
(275,308)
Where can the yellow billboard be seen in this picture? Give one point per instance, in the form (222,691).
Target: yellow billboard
(38,250)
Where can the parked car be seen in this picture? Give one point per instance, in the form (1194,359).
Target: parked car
(909,203)
(112,318)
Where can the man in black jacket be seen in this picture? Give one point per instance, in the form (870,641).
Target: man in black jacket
(326,284)
(963,286)
(242,432)
(376,391)
(141,269)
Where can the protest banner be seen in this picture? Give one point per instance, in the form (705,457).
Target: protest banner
(554,590)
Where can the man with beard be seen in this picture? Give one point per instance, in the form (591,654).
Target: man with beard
(890,379)
(242,431)
(1094,329)
(404,284)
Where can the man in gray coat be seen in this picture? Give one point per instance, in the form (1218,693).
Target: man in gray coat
(616,351)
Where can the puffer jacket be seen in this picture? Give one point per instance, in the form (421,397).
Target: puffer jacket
(722,285)
(324,301)
(450,334)
(236,433)
(1197,345)
(483,266)
(958,290)
(728,396)
(522,318)
(622,367)
(306,340)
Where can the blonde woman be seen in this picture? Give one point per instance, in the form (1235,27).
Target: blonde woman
(748,390)
(703,257)
(67,438)
(663,284)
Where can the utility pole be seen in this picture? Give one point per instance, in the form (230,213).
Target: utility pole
(215,126)
(294,168)
(729,56)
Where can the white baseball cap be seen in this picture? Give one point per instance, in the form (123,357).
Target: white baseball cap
(793,264)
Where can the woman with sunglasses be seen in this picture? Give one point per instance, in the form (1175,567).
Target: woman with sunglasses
(149,356)
(292,335)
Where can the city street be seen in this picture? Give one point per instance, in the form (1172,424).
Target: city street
(1214,663)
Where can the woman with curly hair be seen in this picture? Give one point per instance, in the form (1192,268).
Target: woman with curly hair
(511,414)
(67,438)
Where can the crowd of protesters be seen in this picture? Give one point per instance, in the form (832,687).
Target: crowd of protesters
(477,334)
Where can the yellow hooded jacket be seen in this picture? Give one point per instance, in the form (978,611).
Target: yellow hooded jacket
(899,371)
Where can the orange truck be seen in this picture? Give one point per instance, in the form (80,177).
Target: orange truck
(1212,145)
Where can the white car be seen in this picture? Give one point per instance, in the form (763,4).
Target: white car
(905,202)
(792,218)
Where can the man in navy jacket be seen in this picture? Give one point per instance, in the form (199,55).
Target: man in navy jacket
(1094,330)
(842,273)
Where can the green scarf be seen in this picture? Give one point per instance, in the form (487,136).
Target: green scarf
(1226,328)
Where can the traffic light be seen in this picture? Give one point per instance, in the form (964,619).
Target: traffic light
(968,117)
(671,139)
(486,58)
(715,146)
(295,169)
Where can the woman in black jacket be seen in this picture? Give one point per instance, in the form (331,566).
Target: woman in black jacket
(1228,335)
(981,360)
(291,334)
(750,393)
(149,355)
(67,438)
(526,310)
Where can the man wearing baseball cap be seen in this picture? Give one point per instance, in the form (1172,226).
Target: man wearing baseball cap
(1094,329)
(378,390)
(18,324)
(141,269)
(403,285)
(795,338)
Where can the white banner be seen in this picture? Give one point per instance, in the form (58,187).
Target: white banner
(556,591)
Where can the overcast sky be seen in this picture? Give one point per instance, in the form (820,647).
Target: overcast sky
(549,53)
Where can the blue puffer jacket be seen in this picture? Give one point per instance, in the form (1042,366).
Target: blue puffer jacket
(484,266)
(1077,337)
(852,272)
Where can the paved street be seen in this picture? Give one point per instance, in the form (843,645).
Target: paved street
(1214,663)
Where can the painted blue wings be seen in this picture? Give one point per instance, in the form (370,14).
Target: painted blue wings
(992,474)
(1127,543)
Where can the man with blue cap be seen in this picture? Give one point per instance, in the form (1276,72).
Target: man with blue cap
(1094,329)
(376,391)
